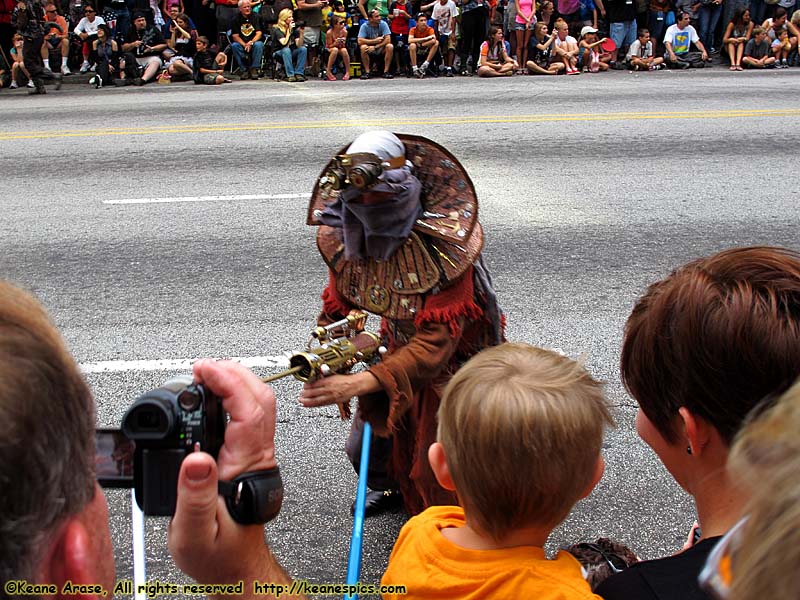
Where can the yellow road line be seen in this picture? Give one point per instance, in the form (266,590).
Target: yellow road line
(546,118)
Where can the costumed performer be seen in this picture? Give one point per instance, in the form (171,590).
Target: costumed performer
(398,229)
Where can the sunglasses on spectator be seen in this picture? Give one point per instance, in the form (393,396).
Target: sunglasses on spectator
(88,11)
(717,574)
(615,563)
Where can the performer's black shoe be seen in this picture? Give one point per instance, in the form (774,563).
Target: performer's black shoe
(380,501)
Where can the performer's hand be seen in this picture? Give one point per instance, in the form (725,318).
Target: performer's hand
(203,538)
(337,389)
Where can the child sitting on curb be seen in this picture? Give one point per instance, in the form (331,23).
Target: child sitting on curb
(640,54)
(519,439)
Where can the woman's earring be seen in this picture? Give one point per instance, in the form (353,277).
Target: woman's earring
(688,449)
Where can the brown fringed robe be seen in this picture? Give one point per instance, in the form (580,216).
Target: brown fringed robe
(423,355)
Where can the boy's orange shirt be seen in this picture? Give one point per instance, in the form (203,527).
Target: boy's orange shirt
(430,566)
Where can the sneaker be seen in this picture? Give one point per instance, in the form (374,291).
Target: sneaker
(300,78)
(30,83)
(388,76)
(424,67)
(292,79)
(449,71)
(784,64)
(364,76)
(93,68)
(120,82)
(245,75)
(14,85)
(636,68)
(616,65)
(95,81)
(85,66)
(254,74)
(58,79)
(415,70)
(65,70)
(139,81)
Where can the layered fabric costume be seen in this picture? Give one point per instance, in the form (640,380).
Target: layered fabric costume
(421,271)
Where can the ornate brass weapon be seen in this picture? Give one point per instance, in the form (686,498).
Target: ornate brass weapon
(340,346)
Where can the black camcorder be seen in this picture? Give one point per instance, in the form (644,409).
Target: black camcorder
(158,431)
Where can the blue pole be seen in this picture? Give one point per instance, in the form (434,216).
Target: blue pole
(354,562)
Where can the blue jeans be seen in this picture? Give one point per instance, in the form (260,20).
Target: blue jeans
(707,19)
(255,55)
(296,55)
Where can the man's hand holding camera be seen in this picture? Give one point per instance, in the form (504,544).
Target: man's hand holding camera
(206,543)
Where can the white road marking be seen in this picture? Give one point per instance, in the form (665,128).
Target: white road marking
(179,364)
(209,198)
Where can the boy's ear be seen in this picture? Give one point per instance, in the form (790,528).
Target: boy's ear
(599,468)
(439,466)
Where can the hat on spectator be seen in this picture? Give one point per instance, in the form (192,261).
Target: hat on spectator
(588,29)
(138,15)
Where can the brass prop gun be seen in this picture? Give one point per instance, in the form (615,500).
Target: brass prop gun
(339,347)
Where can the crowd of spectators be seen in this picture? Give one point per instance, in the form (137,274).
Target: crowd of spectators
(138,41)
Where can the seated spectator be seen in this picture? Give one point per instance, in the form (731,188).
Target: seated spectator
(106,51)
(56,38)
(19,73)
(523,28)
(86,29)
(335,43)
(209,67)
(590,55)
(494,59)
(399,17)
(374,42)
(510,409)
(566,47)
(780,48)
(540,51)
(678,40)
(756,51)
(701,349)
(736,35)
(54,518)
(287,40)
(248,47)
(759,557)
(640,54)
(775,26)
(309,12)
(444,15)
(422,37)
(183,42)
(142,47)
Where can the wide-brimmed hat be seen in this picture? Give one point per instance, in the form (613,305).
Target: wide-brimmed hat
(448,198)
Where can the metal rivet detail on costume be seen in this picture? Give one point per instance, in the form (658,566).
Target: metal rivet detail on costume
(448,164)
(412,310)
(461,184)
(377,299)
(317,213)
(413,278)
(461,233)
(467,214)
(469,206)
(398,284)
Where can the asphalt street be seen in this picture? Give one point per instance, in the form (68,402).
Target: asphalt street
(590,189)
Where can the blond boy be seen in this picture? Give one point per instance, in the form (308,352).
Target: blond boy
(519,438)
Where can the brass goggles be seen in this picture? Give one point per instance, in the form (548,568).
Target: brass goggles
(361,170)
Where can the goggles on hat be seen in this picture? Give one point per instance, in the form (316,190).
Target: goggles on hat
(361,170)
